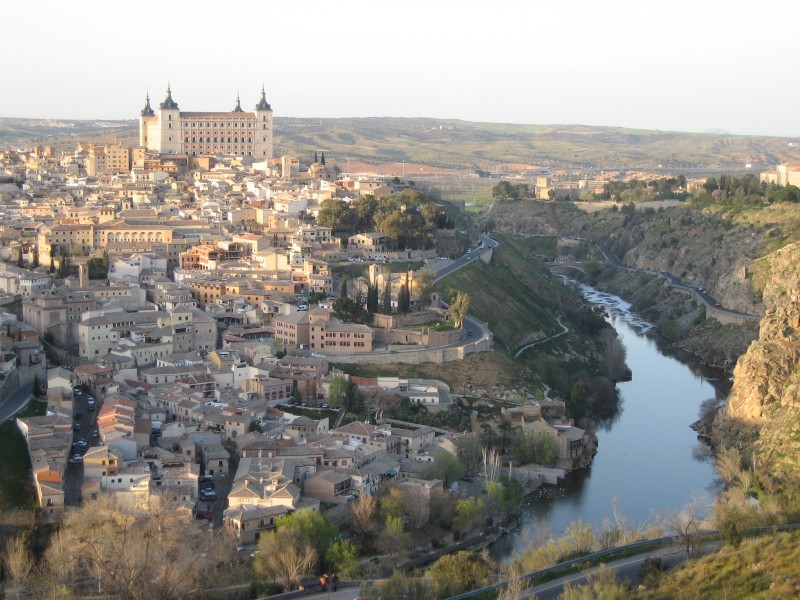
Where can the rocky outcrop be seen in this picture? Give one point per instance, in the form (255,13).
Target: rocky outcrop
(764,404)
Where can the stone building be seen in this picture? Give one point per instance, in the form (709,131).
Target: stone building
(168,130)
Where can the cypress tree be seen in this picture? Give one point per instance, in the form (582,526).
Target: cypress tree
(386,305)
(343,292)
(322,160)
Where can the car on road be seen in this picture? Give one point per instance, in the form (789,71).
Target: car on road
(207,494)
(77,390)
(95,433)
(76,426)
(469,333)
(75,459)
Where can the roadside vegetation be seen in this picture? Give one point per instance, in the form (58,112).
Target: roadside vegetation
(16,487)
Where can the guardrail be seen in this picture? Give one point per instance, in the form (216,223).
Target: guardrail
(664,541)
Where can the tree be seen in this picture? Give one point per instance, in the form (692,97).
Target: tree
(430,214)
(386,303)
(35,258)
(337,390)
(334,213)
(97,268)
(538,447)
(394,504)
(350,311)
(362,514)
(20,262)
(311,527)
(322,160)
(502,191)
(687,523)
(18,560)
(447,468)
(469,514)
(394,539)
(460,572)
(343,291)
(422,287)
(284,557)
(579,397)
(133,555)
(403,302)
(372,298)
(342,558)
(459,307)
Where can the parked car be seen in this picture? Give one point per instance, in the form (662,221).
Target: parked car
(76,426)
(75,459)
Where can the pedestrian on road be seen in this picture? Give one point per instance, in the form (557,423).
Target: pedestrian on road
(334,581)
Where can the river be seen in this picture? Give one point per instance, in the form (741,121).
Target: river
(648,460)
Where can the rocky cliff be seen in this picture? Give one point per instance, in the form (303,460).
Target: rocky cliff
(764,404)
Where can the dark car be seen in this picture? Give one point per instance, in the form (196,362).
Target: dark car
(76,426)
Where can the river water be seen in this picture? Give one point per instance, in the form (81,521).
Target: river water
(648,460)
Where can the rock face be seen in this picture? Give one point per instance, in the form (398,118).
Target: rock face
(764,404)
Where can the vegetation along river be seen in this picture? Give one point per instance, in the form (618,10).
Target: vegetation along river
(649,460)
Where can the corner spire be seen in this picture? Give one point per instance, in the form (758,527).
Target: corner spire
(238,105)
(263,104)
(147,111)
(169,102)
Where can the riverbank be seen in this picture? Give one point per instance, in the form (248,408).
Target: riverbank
(649,460)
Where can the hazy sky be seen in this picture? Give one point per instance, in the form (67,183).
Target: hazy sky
(680,65)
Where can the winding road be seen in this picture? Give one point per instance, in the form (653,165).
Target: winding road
(15,402)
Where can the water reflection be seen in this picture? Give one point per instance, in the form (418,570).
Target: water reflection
(649,460)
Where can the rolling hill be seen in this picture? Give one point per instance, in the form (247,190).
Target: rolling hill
(404,143)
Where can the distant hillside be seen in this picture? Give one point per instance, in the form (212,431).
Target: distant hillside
(453,144)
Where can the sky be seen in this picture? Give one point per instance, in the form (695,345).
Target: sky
(673,66)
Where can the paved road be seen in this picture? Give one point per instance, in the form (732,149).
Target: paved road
(626,569)
(485,243)
(15,402)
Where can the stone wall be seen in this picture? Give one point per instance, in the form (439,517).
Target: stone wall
(434,355)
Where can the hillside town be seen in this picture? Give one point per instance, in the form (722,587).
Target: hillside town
(176,302)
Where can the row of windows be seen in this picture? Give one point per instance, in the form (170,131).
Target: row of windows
(215,124)
(221,140)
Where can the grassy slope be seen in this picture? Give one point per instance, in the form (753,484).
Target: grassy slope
(761,568)
(16,487)
(514,294)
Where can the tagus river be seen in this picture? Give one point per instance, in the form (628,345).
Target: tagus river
(648,460)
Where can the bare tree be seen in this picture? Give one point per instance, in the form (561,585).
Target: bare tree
(517,587)
(491,464)
(362,514)
(281,558)
(688,523)
(18,560)
(160,554)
